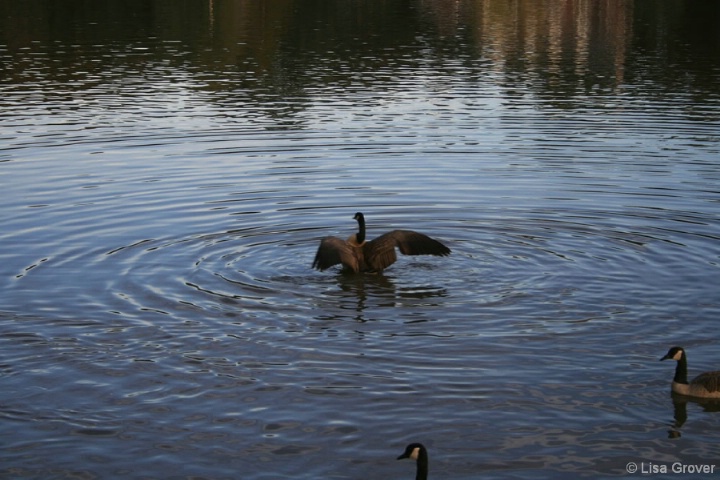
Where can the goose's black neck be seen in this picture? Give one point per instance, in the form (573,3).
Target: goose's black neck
(681,370)
(361,227)
(422,465)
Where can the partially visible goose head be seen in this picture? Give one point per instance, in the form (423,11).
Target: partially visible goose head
(417,452)
(705,385)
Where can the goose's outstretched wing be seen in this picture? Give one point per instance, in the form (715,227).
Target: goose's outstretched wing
(380,253)
(332,251)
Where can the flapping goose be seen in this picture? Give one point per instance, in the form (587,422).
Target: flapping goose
(358,255)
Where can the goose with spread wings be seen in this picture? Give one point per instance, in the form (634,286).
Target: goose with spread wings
(358,255)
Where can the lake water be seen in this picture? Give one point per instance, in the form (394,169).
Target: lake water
(168,169)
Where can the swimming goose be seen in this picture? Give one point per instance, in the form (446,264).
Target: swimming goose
(418,452)
(705,385)
(358,255)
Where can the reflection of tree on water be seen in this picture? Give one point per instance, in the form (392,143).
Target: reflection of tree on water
(680,410)
(268,62)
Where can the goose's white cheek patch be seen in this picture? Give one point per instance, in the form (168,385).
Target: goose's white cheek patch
(415,453)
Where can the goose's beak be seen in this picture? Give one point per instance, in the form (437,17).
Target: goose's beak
(665,357)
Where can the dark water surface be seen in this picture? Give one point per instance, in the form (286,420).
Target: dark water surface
(168,168)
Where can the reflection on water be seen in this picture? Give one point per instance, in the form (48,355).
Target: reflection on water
(269,63)
(680,405)
(168,170)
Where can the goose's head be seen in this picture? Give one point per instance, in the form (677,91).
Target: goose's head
(412,451)
(359,217)
(675,353)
